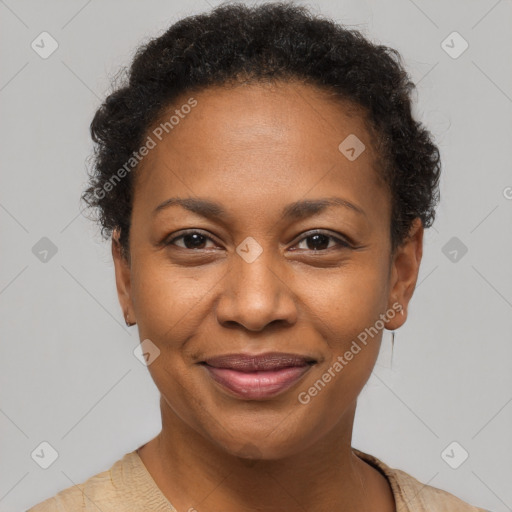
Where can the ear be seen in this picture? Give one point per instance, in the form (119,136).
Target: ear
(123,278)
(404,274)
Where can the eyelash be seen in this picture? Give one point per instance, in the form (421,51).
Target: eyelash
(341,243)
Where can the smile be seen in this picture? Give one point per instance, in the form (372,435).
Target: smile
(258,377)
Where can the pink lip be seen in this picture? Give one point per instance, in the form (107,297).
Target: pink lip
(257,377)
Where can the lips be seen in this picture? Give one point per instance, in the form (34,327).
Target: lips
(257,377)
(261,362)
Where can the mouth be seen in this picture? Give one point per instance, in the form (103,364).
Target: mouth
(258,377)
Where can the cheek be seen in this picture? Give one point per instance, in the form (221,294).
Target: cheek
(353,337)
(168,301)
(346,302)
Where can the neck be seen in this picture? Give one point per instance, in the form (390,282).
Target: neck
(195,474)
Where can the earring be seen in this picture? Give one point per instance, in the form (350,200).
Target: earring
(127,321)
(392,347)
(392,340)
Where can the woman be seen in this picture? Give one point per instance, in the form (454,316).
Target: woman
(266,190)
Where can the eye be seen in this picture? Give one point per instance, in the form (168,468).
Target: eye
(191,239)
(319,241)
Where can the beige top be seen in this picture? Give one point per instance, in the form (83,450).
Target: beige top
(128,487)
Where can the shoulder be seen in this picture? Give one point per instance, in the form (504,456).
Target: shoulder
(423,497)
(122,487)
(411,495)
(77,497)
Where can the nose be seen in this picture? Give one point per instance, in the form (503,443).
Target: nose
(256,294)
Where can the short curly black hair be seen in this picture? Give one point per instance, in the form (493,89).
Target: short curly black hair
(236,43)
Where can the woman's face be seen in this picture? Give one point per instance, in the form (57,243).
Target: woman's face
(256,278)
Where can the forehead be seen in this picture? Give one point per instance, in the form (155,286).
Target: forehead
(262,112)
(259,140)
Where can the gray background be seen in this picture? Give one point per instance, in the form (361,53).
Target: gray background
(68,375)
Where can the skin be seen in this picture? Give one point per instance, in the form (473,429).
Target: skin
(254,149)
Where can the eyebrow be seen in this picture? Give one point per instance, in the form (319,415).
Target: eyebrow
(294,211)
